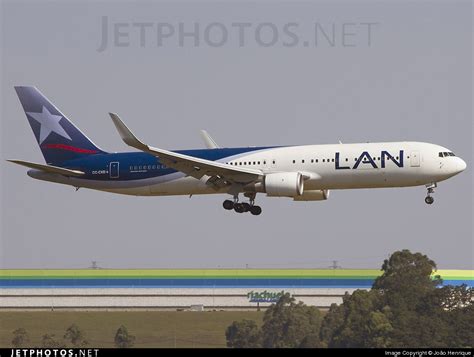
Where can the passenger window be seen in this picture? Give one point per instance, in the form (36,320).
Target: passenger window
(258,162)
(273,161)
(324,160)
(332,160)
(317,160)
(302,161)
(312,160)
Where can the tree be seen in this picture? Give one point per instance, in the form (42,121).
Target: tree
(405,308)
(407,278)
(333,321)
(75,335)
(243,334)
(287,323)
(123,339)
(312,341)
(20,338)
(360,321)
(50,341)
(462,320)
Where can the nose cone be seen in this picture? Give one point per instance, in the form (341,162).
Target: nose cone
(461,165)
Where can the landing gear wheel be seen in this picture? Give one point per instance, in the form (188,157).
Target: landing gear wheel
(255,210)
(239,208)
(228,204)
(246,206)
(429,200)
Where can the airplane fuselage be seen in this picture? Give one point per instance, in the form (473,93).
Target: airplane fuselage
(335,166)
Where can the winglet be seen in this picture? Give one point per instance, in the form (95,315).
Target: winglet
(127,136)
(208,140)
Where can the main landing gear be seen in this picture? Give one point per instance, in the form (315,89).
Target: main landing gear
(241,207)
(430,187)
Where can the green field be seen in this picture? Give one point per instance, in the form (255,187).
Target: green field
(151,328)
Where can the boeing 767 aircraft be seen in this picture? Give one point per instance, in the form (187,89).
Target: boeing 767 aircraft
(303,173)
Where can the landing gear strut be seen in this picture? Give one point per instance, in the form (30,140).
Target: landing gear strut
(430,187)
(241,207)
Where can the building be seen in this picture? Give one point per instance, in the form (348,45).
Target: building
(183,288)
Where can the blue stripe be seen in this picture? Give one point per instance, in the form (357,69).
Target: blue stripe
(197,283)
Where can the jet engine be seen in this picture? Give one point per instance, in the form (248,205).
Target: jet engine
(284,184)
(313,195)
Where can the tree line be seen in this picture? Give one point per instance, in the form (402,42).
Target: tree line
(406,307)
(73,337)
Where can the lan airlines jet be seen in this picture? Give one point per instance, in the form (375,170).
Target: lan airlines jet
(303,173)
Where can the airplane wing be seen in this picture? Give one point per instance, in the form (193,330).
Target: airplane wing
(220,174)
(49,168)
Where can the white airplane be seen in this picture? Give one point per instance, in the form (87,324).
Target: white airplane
(303,173)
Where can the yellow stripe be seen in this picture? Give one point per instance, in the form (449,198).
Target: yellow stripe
(349,273)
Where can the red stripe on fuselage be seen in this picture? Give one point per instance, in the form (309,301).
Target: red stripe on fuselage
(69,148)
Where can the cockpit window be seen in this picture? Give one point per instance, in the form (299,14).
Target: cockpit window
(446,154)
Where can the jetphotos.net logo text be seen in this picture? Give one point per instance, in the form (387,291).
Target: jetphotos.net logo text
(265,34)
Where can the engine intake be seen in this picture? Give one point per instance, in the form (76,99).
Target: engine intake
(284,184)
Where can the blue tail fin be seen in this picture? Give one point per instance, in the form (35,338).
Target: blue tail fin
(58,138)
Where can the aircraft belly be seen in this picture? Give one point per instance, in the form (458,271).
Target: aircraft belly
(182,186)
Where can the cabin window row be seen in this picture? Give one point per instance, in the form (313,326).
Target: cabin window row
(240,163)
(245,163)
(147,167)
(333,160)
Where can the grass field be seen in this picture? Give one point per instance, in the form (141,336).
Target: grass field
(151,328)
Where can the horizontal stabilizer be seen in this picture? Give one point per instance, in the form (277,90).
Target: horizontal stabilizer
(48,168)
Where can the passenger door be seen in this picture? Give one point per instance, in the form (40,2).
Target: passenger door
(114,170)
(415,159)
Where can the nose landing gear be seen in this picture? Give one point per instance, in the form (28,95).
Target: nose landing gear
(430,187)
(244,206)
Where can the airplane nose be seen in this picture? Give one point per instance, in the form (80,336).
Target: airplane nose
(461,166)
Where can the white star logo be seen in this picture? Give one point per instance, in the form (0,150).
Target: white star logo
(49,123)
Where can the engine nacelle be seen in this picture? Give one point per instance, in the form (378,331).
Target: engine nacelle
(313,195)
(284,184)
